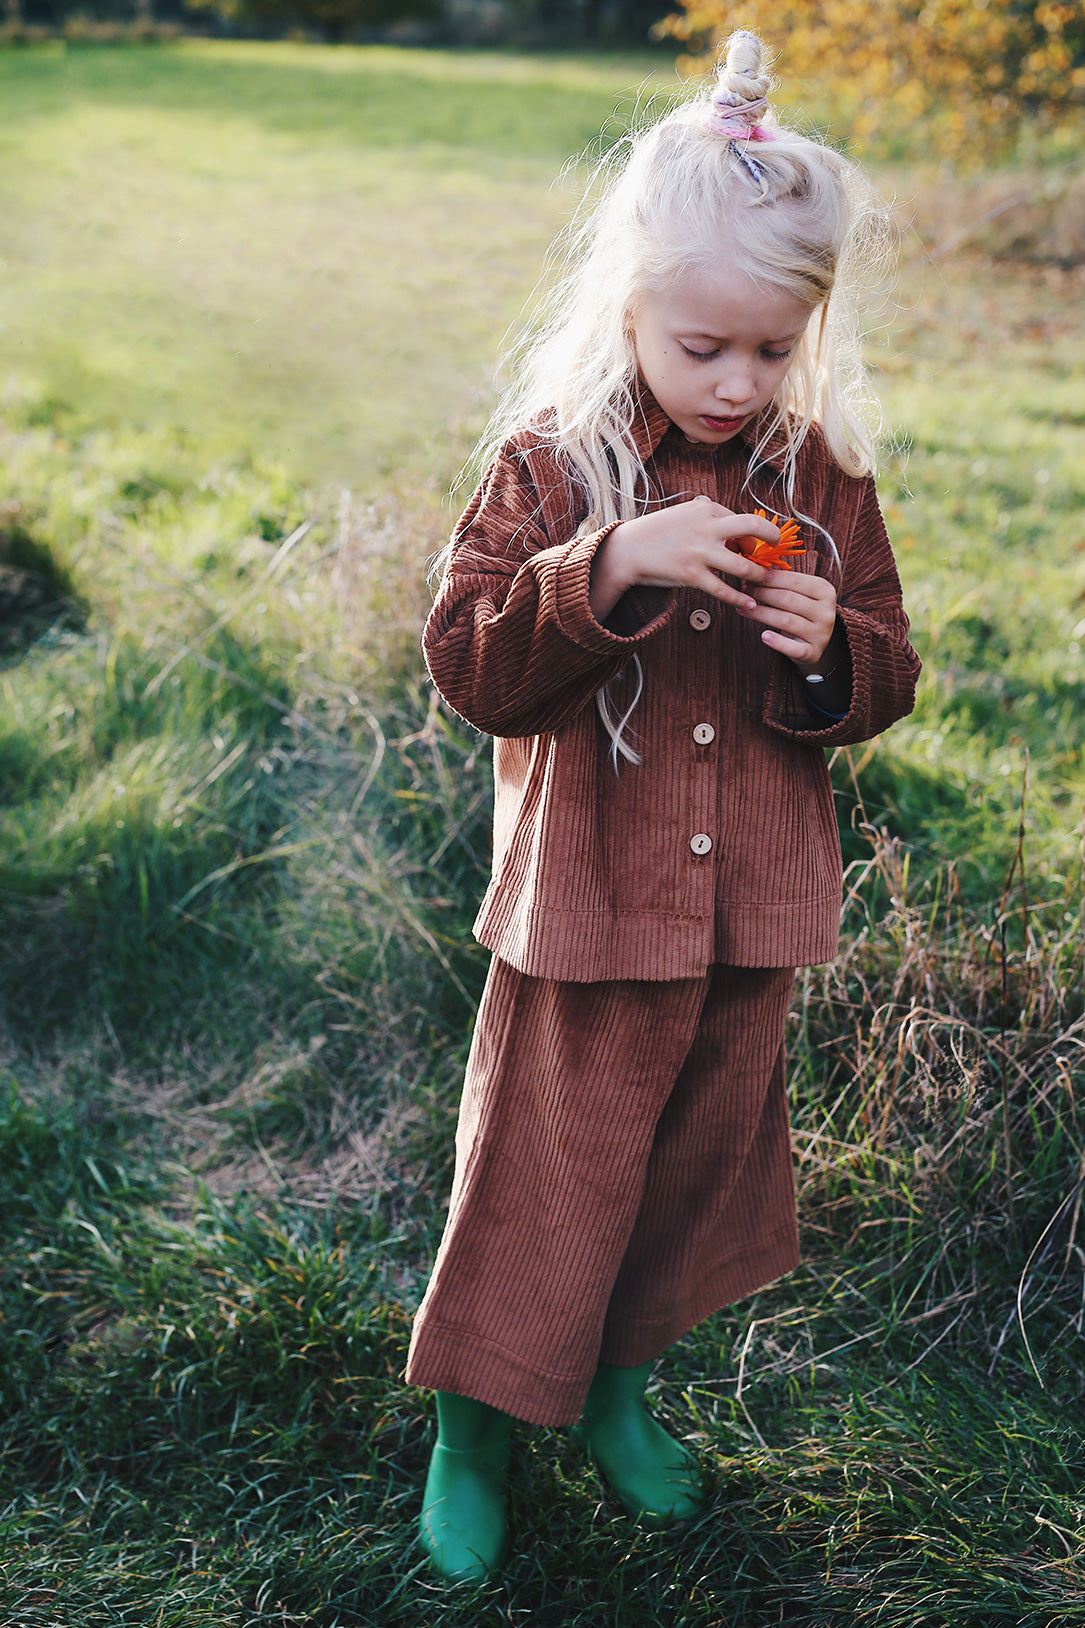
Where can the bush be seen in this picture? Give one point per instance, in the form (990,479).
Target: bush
(976,68)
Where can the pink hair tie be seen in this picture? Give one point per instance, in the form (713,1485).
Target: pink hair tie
(739,129)
(735,120)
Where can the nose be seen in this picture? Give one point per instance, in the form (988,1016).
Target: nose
(736,384)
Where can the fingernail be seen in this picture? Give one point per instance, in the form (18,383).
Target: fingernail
(751,604)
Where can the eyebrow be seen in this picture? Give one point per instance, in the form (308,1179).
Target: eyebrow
(718,339)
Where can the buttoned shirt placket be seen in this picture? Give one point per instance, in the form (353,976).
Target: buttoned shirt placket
(702,725)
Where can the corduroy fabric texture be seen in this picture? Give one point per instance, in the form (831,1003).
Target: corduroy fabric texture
(722,842)
(623,1169)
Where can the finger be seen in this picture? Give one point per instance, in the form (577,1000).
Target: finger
(739,565)
(820,612)
(789,619)
(701,501)
(793,627)
(793,649)
(721,590)
(782,599)
(724,563)
(804,584)
(751,525)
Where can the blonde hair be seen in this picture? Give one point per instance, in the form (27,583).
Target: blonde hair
(793,214)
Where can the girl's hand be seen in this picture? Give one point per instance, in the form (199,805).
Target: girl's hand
(681,547)
(798,612)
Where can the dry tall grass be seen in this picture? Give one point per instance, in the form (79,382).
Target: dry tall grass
(939,1132)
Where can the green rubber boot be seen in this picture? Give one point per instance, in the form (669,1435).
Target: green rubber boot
(464,1524)
(655,1478)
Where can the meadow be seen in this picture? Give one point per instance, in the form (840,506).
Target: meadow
(250,297)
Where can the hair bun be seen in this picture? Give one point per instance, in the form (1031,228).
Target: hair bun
(743,81)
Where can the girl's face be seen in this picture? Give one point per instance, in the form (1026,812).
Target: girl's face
(713,348)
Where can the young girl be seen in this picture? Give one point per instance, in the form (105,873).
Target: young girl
(665,847)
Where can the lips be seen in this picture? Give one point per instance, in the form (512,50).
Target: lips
(722,424)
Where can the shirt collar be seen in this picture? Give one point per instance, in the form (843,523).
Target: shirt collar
(650,425)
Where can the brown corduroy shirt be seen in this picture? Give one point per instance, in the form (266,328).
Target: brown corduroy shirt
(721,845)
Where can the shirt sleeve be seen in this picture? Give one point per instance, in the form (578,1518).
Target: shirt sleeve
(870,608)
(511,642)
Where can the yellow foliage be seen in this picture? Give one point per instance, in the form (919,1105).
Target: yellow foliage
(978,67)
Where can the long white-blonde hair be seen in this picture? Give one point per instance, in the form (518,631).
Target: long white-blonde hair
(717,178)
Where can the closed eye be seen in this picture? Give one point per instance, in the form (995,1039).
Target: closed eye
(767,352)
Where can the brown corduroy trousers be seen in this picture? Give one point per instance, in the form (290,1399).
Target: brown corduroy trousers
(623,1169)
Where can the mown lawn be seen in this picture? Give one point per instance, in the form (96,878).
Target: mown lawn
(239,850)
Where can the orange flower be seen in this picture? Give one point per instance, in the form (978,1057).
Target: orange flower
(772,555)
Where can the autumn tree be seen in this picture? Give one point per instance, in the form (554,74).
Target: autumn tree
(979,67)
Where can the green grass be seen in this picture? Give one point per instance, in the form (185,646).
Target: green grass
(240,851)
(310,252)
(205,1415)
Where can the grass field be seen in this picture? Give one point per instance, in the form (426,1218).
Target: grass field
(249,301)
(279,246)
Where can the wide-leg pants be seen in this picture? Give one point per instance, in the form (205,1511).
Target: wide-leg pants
(623,1169)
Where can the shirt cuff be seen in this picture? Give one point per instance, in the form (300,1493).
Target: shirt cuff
(572,581)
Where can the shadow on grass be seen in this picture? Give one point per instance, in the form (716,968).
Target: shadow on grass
(37,594)
(142,834)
